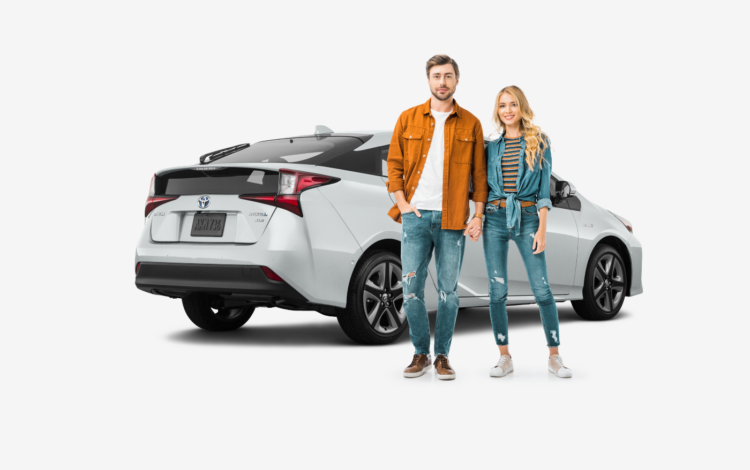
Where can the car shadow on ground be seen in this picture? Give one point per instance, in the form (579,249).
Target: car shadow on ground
(469,321)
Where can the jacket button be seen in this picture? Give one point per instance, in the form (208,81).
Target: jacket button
(466,139)
(410,137)
(432,124)
(424,156)
(428,140)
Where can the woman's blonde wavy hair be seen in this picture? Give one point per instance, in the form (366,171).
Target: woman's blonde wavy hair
(536,141)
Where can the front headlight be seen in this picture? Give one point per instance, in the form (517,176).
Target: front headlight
(627,224)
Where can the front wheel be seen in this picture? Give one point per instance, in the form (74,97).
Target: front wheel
(207,312)
(374,311)
(604,287)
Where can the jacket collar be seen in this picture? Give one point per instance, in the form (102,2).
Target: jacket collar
(425,108)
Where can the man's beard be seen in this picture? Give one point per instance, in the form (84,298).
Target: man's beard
(446,98)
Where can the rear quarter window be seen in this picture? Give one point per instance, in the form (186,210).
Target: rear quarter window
(370,162)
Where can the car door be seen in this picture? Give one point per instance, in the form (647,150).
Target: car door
(561,253)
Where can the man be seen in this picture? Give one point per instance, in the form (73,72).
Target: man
(436,157)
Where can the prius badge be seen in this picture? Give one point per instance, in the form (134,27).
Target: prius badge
(204,201)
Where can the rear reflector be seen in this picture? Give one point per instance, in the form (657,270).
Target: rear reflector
(270,274)
(154,202)
(137,267)
(268,199)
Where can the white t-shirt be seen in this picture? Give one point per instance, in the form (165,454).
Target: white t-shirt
(429,193)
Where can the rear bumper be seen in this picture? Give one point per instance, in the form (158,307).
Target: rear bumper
(236,282)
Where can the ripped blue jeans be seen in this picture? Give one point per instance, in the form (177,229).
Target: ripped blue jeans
(419,235)
(496,237)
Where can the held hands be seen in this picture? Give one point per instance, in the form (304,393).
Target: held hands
(540,242)
(474,228)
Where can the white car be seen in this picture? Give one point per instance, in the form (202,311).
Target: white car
(301,223)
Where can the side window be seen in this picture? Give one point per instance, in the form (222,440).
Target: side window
(384,160)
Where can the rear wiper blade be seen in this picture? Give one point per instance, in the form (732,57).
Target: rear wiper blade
(217,154)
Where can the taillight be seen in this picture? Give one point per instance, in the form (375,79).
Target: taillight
(270,274)
(154,202)
(291,184)
(137,267)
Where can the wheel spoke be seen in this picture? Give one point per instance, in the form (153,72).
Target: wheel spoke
(394,278)
(598,290)
(391,322)
(377,272)
(609,264)
(600,272)
(616,270)
(601,299)
(619,284)
(373,290)
(376,318)
(393,314)
(617,298)
(374,304)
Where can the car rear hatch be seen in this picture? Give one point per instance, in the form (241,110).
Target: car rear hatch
(209,207)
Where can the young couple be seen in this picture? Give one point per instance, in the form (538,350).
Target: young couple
(436,164)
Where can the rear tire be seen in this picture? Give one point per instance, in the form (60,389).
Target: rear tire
(374,308)
(205,311)
(604,287)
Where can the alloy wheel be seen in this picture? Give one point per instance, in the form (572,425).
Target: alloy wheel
(383,298)
(609,283)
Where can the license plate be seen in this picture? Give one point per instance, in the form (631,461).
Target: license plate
(208,225)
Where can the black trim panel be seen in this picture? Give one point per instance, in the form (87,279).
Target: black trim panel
(574,203)
(182,279)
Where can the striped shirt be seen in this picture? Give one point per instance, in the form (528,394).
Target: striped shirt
(509,164)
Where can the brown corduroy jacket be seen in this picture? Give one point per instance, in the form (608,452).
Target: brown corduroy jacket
(464,167)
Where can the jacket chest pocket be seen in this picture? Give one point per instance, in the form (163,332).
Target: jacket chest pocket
(463,146)
(412,139)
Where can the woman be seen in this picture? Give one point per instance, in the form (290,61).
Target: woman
(519,165)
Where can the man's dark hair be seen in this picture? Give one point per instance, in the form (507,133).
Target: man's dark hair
(441,59)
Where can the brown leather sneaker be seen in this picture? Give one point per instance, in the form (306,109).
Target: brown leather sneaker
(419,365)
(443,368)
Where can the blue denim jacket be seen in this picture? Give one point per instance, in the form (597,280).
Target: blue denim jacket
(531,185)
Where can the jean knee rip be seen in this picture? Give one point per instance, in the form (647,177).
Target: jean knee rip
(444,295)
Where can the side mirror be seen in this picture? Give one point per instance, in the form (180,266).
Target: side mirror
(562,191)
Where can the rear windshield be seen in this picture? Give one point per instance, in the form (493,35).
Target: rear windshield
(221,181)
(334,152)
(307,150)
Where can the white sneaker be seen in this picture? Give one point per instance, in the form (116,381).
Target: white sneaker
(556,366)
(503,367)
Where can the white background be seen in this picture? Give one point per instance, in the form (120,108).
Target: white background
(646,104)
